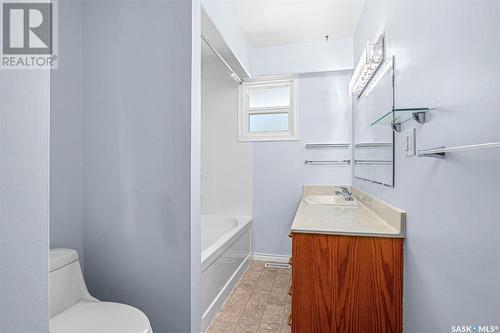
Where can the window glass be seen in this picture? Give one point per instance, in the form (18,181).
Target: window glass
(269,97)
(268,122)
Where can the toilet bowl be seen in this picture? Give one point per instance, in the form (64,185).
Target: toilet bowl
(73,309)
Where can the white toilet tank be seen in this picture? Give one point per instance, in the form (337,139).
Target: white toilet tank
(66,284)
(73,309)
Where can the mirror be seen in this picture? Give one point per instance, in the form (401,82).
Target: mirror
(373,144)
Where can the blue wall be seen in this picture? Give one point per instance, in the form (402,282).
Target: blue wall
(137,103)
(447,57)
(279,170)
(24,200)
(66,132)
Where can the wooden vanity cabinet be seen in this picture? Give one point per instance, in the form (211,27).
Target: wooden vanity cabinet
(346,284)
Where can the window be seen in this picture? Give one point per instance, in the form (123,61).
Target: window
(268,109)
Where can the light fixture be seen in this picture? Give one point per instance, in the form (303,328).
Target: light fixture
(371,59)
(377,77)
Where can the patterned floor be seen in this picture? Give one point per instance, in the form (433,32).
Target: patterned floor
(259,304)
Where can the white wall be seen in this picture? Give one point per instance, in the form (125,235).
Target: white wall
(195,196)
(221,16)
(66,132)
(447,57)
(24,200)
(279,170)
(137,102)
(334,55)
(227,163)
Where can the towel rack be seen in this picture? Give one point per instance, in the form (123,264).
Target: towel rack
(326,145)
(373,144)
(372,181)
(440,152)
(336,162)
(372,161)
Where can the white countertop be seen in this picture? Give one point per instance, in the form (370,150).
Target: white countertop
(359,221)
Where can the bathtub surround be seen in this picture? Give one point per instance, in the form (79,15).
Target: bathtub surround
(278,167)
(446,57)
(226,163)
(226,188)
(24,200)
(227,247)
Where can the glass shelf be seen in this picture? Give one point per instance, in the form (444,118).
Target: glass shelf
(399,116)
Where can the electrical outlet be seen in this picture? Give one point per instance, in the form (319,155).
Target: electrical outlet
(410,142)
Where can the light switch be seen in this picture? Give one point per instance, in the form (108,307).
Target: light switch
(410,142)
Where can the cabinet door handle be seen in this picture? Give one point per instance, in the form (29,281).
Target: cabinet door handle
(290,319)
(290,234)
(290,291)
(290,261)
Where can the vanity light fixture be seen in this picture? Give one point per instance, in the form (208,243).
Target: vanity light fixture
(371,59)
(386,66)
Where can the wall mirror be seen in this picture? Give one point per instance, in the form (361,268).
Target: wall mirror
(373,143)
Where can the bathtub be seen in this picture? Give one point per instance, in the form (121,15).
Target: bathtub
(225,250)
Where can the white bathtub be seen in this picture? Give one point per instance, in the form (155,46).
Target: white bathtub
(225,250)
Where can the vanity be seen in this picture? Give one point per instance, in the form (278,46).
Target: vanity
(347,263)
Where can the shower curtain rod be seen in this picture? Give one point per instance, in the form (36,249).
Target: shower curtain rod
(233,75)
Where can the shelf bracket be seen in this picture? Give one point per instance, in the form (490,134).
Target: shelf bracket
(396,125)
(439,155)
(419,117)
(440,152)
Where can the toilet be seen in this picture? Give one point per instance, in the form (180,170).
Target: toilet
(73,309)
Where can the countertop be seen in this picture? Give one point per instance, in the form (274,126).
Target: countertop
(371,217)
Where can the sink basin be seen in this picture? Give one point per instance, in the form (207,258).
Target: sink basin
(329,200)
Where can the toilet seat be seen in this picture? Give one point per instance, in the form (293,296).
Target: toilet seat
(100,317)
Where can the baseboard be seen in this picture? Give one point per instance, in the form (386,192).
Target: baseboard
(270,257)
(221,298)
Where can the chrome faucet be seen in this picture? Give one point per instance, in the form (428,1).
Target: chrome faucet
(345,190)
(345,193)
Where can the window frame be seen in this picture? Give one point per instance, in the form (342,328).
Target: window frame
(244,112)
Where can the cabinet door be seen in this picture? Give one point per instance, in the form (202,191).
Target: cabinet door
(347,284)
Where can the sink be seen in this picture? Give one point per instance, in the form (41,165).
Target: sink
(329,200)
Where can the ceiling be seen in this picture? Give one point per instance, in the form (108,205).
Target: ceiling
(267,23)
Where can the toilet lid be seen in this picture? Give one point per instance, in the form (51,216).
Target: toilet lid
(100,317)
